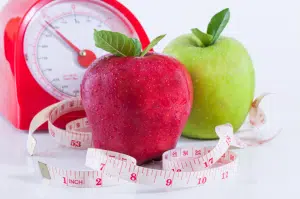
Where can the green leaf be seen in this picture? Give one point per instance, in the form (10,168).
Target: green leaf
(138,47)
(203,37)
(152,44)
(115,43)
(217,24)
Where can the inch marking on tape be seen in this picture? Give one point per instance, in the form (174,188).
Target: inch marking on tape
(181,167)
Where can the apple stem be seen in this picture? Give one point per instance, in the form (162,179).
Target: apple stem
(215,27)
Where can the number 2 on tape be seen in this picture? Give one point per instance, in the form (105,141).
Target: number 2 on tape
(99,182)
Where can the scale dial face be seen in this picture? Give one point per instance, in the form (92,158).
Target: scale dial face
(59,43)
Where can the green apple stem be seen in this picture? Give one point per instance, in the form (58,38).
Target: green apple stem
(215,27)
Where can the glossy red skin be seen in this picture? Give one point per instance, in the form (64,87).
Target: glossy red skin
(137,105)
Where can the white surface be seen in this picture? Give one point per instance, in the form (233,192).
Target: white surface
(270,30)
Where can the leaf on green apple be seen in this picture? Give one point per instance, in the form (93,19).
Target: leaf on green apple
(152,44)
(203,37)
(138,47)
(115,43)
(217,24)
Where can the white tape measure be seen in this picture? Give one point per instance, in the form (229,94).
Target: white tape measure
(182,167)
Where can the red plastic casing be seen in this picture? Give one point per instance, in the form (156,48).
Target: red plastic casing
(21,98)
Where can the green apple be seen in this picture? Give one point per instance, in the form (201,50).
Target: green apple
(223,77)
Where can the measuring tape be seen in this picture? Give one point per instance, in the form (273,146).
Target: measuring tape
(181,167)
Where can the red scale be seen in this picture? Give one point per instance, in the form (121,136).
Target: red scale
(47,46)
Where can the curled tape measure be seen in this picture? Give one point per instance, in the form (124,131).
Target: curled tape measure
(181,167)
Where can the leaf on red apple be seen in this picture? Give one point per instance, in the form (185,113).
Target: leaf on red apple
(138,47)
(152,44)
(116,43)
(121,45)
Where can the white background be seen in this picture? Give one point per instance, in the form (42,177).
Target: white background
(270,29)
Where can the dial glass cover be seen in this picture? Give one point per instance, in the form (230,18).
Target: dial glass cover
(59,43)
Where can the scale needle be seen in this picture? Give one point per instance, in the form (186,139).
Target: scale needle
(77,50)
(85,57)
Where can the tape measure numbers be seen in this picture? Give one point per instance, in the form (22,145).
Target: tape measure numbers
(181,167)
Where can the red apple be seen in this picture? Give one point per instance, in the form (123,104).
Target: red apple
(137,105)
